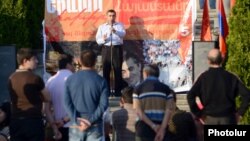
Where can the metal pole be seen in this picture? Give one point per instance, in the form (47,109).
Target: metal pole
(112,67)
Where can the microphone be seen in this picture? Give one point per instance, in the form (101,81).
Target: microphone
(112,29)
(112,22)
(111,32)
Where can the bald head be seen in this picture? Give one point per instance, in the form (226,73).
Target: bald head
(214,57)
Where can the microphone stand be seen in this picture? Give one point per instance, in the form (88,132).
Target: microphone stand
(112,67)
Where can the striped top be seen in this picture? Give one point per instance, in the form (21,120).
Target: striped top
(154,97)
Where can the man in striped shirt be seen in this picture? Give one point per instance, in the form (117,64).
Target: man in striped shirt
(154,104)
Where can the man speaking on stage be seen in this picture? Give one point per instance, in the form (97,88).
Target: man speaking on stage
(110,37)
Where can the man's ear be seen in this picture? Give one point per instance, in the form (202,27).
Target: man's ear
(121,102)
(209,62)
(145,75)
(25,60)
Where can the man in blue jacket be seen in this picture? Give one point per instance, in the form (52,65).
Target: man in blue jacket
(86,99)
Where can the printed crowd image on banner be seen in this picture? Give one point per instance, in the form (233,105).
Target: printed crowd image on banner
(157,31)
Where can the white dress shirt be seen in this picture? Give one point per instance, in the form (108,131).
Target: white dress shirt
(117,37)
(56,86)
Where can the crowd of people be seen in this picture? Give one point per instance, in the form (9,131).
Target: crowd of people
(75,104)
(175,72)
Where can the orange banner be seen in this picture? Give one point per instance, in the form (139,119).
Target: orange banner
(74,20)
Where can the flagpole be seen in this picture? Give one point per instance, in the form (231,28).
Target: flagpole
(112,88)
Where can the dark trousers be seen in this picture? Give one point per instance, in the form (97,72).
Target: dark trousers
(65,133)
(144,132)
(28,129)
(227,120)
(112,58)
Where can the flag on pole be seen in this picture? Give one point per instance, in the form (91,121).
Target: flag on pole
(205,27)
(223,28)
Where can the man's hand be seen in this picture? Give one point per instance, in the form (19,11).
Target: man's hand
(112,29)
(57,133)
(160,134)
(238,117)
(155,127)
(83,124)
(105,36)
(59,123)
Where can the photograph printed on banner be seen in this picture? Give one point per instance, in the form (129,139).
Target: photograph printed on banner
(174,71)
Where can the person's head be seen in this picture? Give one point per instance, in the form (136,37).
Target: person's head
(26,58)
(88,58)
(127,95)
(131,70)
(98,65)
(66,62)
(111,15)
(151,70)
(4,114)
(214,57)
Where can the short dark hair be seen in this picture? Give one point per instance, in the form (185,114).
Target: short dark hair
(24,53)
(127,94)
(129,55)
(111,11)
(64,60)
(88,58)
(152,70)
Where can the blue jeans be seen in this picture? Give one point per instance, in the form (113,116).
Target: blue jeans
(212,4)
(93,133)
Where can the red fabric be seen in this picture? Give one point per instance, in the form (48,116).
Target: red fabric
(205,27)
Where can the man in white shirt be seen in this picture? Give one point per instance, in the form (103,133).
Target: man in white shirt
(56,86)
(110,37)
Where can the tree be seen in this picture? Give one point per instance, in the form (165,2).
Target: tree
(239,45)
(21,23)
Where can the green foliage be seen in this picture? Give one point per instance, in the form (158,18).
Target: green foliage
(21,22)
(238,43)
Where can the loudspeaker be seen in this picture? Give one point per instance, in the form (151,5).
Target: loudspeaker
(199,55)
(8,66)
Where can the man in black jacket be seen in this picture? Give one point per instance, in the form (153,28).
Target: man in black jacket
(217,89)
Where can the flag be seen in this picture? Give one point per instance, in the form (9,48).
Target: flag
(205,27)
(223,28)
